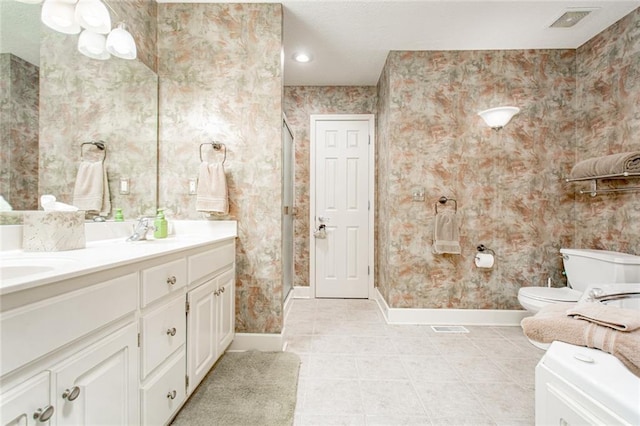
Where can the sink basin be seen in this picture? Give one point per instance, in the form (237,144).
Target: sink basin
(11,268)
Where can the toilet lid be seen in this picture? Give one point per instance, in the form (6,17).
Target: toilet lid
(562,294)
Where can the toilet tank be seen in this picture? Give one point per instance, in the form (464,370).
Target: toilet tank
(585,267)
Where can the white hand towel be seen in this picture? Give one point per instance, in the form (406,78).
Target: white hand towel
(91,192)
(446,238)
(212,189)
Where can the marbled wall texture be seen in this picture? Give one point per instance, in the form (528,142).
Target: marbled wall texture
(18,132)
(299,103)
(608,122)
(220,72)
(507,184)
(83,99)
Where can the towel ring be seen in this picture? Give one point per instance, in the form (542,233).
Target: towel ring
(101,145)
(443,200)
(217,146)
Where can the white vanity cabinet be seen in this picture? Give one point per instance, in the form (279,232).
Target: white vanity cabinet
(211,315)
(62,366)
(163,333)
(112,344)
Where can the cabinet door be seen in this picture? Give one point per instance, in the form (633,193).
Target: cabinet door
(226,310)
(165,392)
(201,327)
(98,386)
(19,404)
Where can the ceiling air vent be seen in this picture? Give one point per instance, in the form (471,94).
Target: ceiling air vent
(570,18)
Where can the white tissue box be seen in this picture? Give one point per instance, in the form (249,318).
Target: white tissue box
(53,231)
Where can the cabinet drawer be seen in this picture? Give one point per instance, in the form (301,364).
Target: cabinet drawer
(164,394)
(52,323)
(163,331)
(203,264)
(162,280)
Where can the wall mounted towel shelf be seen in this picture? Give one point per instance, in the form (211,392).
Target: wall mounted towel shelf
(217,146)
(594,183)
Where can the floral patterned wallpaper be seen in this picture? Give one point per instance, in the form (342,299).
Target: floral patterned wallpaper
(18,132)
(83,99)
(608,93)
(299,103)
(508,184)
(220,72)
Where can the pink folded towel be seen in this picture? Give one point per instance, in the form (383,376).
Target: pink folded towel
(607,165)
(446,237)
(608,316)
(552,323)
(212,189)
(91,191)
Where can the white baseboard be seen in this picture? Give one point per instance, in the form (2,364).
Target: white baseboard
(302,292)
(449,316)
(264,342)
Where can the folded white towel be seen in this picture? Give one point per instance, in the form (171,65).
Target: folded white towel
(91,192)
(212,189)
(446,238)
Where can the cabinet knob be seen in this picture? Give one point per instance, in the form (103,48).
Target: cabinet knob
(172,280)
(171,331)
(222,290)
(71,394)
(44,414)
(217,293)
(172,394)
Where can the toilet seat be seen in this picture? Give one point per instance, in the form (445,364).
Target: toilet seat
(551,294)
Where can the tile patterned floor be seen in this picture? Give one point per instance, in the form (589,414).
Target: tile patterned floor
(358,370)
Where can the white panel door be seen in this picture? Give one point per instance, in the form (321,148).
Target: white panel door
(342,207)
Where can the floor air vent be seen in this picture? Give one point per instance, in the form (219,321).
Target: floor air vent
(449,329)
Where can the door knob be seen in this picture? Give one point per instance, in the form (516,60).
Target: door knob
(71,394)
(171,331)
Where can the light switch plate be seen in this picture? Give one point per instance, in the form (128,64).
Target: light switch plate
(124,186)
(193,186)
(418,194)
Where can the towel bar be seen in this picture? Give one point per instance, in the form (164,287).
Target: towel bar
(443,200)
(217,146)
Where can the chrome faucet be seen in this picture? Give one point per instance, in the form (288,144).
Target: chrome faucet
(140,229)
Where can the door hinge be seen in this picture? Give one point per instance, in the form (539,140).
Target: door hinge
(369,139)
(368,270)
(186,381)
(187,306)
(138,339)
(368,204)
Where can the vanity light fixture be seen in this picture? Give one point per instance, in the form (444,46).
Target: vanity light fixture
(93,45)
(93,15)
(302,57)
(120,43)
(497,118)
(59,15)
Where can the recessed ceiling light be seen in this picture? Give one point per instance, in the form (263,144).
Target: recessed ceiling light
(302,57)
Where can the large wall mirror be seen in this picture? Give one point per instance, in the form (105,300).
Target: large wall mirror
(53,99)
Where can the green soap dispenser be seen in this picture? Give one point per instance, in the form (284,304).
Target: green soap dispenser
(160,225)
(119,217)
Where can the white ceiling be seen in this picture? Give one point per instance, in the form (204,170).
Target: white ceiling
(350,40)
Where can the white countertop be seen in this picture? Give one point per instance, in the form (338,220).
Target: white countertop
(107,248)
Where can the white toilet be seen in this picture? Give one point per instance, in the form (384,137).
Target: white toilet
(584,268)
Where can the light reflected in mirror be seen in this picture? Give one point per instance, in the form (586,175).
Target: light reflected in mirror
(54,98)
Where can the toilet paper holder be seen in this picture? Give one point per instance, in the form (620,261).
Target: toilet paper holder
(481,248)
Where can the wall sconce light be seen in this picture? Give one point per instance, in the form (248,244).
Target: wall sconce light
(93,45)
(497,118)
(120,43)
(59,15)
(93,15)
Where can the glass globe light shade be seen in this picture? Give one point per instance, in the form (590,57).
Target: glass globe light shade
(120,43)
(59,15)
(93,45)
(497,118)
(93,15)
